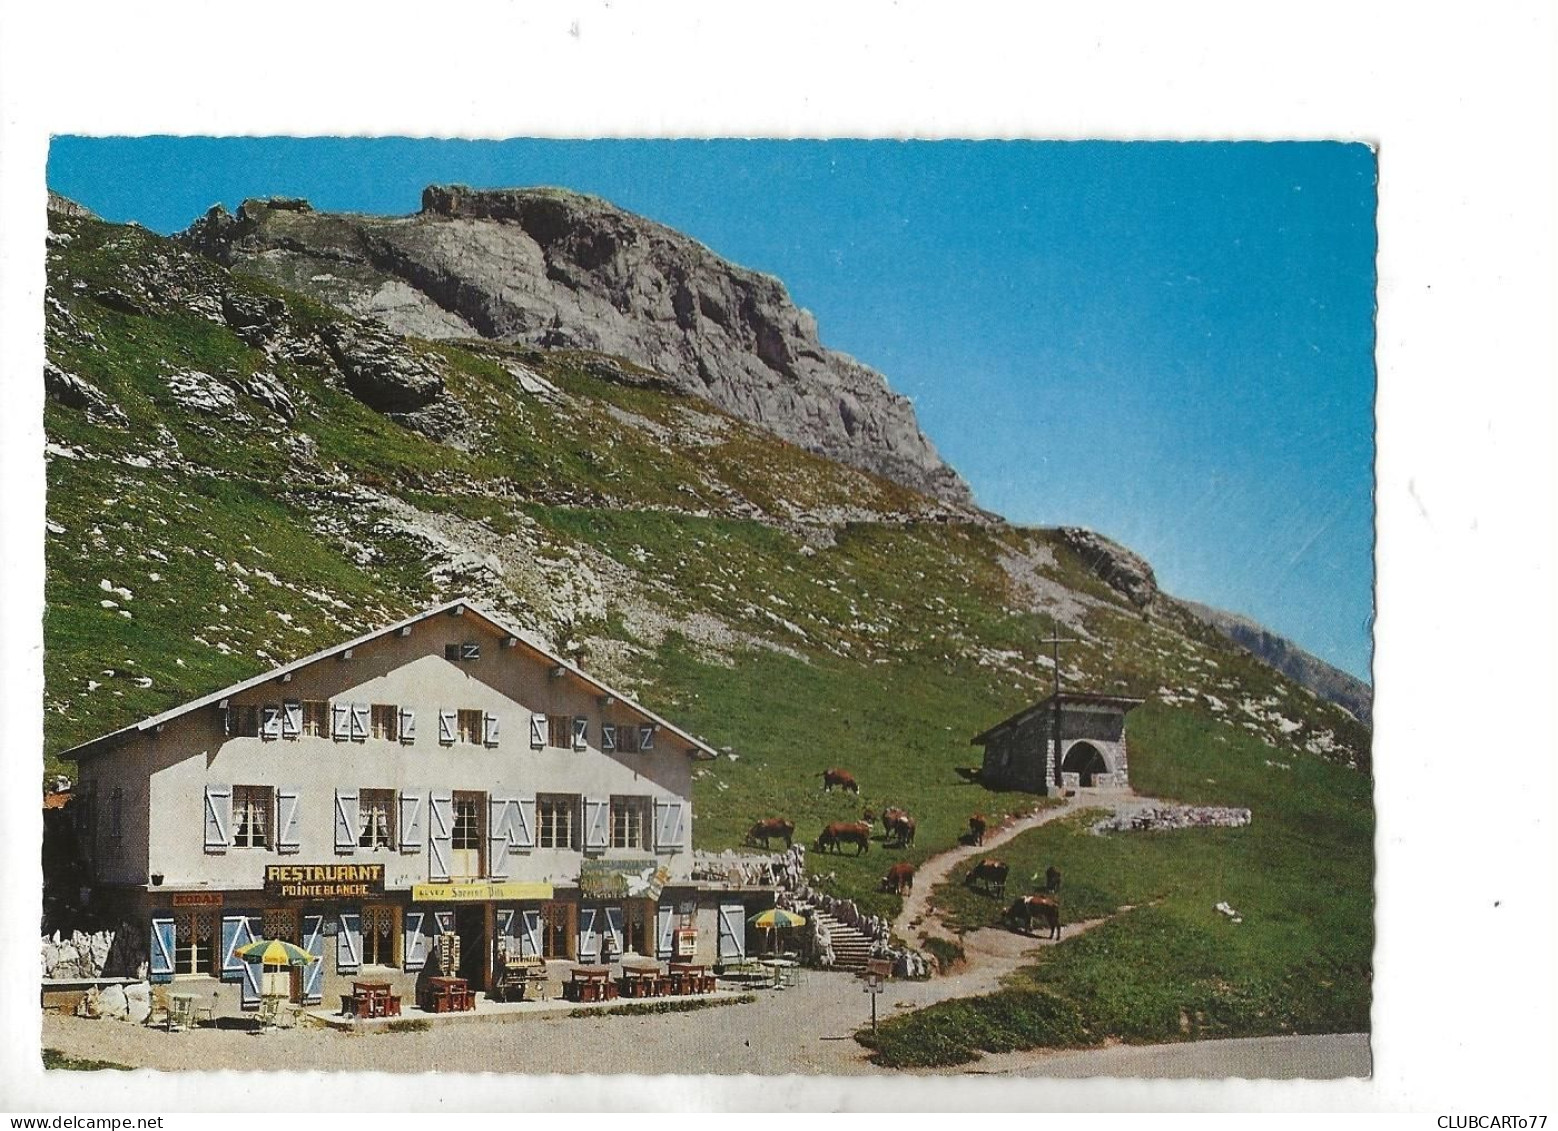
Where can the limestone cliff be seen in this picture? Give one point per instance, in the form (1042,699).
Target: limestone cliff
(556,269)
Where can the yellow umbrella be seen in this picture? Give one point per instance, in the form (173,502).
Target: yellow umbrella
(275,952)
(777,917)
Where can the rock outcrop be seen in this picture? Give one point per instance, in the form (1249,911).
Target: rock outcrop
(1126,573)
(559,270)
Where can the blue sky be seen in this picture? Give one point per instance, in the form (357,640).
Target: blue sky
(1170,343)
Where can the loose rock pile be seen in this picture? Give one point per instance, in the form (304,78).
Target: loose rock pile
(130,1003)
(79,956)
(1173,817)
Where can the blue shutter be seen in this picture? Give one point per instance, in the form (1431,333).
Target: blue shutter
(235,929)
(287,819)
(581,732)
(522,826)
(506,926)
(218,816)
(665,931)
(530,941)
(414,940)
(489,729)
(359,722)
(670,823)
(732,931)
(614,929)
(345,821)
(248,930)
(597,823)
(348,943)
(589,938)
(608,737)
(408,726)
(446,727)
(646,738)
(537,732)
(314,972)
(163,938)
(340,721)
(270,722)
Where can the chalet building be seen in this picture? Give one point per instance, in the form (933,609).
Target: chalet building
(1020,752)
(440,779)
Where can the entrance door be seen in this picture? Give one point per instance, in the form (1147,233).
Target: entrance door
(466,841)
(470,923)
(1084,760)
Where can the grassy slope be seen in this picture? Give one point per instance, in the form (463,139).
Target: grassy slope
(899,640)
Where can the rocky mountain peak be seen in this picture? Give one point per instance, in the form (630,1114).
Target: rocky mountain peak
(558,269)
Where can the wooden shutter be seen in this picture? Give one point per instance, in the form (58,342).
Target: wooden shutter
(270,722)
(291,719)
(470,650)
(414,942)
(597,823)
(314,972)
(608,737)
(443,921)
(537,732)
(440,835)
(665,931)
(646,738)
(412,822)
(446,727)
(218,817)
(581,732)
(340,721)
(287,819)
(345,821)
(360,716)
(670,823)
(523,827)
(530,940)
(408,726)
(497,837)
(234,928)
(511,930)
(589,937)
(163,937)
(348,943)
(489,729)
(732,931)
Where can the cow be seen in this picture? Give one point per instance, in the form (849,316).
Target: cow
(841,778)
(1025,909)
(772,829)
(899,878)
(990,874)
(1051,879)
(976,829)
(857,833)
(899,826)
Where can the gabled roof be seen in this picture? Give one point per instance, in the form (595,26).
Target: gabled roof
(697,749)
(1125,703)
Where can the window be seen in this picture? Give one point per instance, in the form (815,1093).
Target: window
(386,721)
(629,822)
(251,816)
(466,837)
(316,717)
(243,722)
(470,727)
(195,943)
(376,818)
(281,923)
(557,820)
(627,739)
(559,731)
(116,820)
(380,928)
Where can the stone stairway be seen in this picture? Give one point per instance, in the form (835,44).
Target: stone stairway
(851,949)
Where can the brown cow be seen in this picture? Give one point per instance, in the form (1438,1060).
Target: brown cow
(1027,908)
(899,826)
(989,874)
(976,829)
(771,829)
(857,833)
(899,878)
(841,778)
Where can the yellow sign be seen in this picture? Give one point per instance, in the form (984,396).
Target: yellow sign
(480,891)
(324,881)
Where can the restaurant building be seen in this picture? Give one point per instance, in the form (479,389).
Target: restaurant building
(441,779)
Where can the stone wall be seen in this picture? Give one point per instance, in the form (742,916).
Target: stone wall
(1156,817)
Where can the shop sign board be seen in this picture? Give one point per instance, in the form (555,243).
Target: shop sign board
(622,879)
(479,891)
(324,881)
(197,899)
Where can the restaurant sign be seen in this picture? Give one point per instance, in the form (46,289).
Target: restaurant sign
(622,879)
(324,881)
(480,891)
